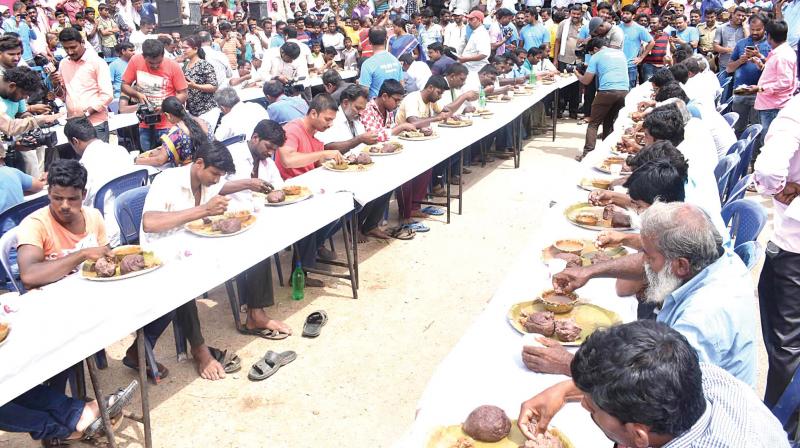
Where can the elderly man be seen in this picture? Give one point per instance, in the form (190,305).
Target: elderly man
(704,291)
(238,117)
(644,385)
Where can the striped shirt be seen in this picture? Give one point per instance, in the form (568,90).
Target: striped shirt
(659,50)
(734,417)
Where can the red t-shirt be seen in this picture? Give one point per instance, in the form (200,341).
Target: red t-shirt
(156,84)
(297,137)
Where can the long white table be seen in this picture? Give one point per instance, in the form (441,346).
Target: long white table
(63,323)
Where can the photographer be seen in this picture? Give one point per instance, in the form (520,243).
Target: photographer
(610,66)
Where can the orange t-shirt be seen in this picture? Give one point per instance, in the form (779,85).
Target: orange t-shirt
(40,229)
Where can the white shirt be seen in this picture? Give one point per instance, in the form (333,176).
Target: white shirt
(698,90)
(221,64)
(419,72)
(242,119)
(636,95)
(340,130)
(455,36)
(335,40)
(544,66)
(255,41)
(137,38)
(479,43)
(304,60)
(472,82)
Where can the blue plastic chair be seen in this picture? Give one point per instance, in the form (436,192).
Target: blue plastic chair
(722,107)
(749,253)
(14,215)
(738,191)
(738,147)
(128,210)
(723,171)
(751,136)
(751,132)
(746,218)
(731,118)
(8,242)
(118,186)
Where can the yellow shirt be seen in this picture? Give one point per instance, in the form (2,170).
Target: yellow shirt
(353,35)
(414,106)
(553,28)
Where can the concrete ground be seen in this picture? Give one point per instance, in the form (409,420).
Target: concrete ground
(358,383)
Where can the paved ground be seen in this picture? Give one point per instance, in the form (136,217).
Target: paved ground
(357,384)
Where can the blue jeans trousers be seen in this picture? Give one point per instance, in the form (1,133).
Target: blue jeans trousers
(42,412)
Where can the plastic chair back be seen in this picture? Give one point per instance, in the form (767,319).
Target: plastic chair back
(751,136)
(722,107)
(723,171)
(749,253)
(738,191)
(17,213)
(746,218)
(738,147)
(128,211)
(731,118)
(118,186)
(751,132)
(8,242)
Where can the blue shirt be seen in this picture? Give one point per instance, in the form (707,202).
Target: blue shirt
(13,183)
(13,108)
(378,68)
(287,108)
(25,35)
(117,68)
(611,69)
(748,73)
(689,35)
(276,41)
(533,36)
(791,14)
(714,312)
(635,35)
(149,12)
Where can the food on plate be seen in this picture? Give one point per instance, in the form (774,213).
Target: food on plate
(363,159)
(385,148)
(411,134)
(487,424)
(463,442)
(292,190)
(573,261)
(340,166)
(4,329)
(541,322)
(131,263)
(105,267)
(603,184)
(545,440)
(570,246)
(226,226)
(558,302)
(427,132)
(618,217)
(275,197)
(598,257)
(586,218)
(567,330)
(482,111)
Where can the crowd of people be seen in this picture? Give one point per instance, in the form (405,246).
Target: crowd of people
(391,66)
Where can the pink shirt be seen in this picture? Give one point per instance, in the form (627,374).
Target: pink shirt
(779,163)
(778,79)
(87,83)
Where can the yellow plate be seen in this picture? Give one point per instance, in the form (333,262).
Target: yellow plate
(381,154)
(604,167)
(290,198)
(588,252)
(588,316)
(151,263)
(419,139)
(199,228)
(350,168)
(602,224)
(586,184)
(5,331)
(447,437)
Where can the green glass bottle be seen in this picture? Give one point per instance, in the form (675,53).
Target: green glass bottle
(482,97)
(298,282)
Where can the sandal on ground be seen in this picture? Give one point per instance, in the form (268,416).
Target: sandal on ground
(433,211)
(265,333)
(417,227)
(163,371)
(269,364)
(314,323)
(120,398)
(402,233)
(231,363)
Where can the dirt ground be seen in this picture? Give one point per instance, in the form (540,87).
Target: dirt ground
(358,383)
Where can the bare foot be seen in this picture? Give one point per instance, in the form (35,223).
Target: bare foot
(362,238)
(208,367)
(91,412)
(419,214)
(377,232)
(257,318)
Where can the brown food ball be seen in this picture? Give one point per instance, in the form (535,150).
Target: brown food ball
(276,197)
(363,159)
(105,267)
(542,322)
(573,261)
(487,424)
(227,226)
(567,330)
(131,263)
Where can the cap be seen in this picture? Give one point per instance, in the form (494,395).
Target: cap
(475,15)
(594,23)
(3,9)
(458,12)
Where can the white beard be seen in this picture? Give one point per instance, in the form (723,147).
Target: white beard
(661,284)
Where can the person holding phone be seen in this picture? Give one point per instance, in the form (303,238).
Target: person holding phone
(747,57)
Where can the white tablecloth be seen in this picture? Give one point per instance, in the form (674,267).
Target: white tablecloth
(67,321)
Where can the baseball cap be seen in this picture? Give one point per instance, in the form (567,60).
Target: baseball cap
(594,23)
(475,15)
(458,12)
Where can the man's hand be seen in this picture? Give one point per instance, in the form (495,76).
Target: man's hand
(469,109)
(644,105)
(260,186)
(368,138)
(52,118)
(541,409)
(39,109)
(95,253)
(601,197)
(216,206)
(404,127)
(553,359)
(471,95)
(333,154)
(55,79)
(789,192)
(609,238)
(570,279)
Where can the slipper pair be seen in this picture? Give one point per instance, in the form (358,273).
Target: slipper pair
(314,323)
(120,399)
(269,364)
(231,362)
(417,227)
(402,233)
(266,333)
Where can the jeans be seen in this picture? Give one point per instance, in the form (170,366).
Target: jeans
(633,76)
(371,214)
(766,117)
(589,92)
(571,93)
(102,131)
(42,412)
(148,138)
(743,105)
(648,70)
(308,246)
(606,106)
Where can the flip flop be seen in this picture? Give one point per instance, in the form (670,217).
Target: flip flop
(417,227)
(269,364)
(402,233)
(314,323)
(266,333)
(231,363)
(123,396)
(162,370)
(433,211)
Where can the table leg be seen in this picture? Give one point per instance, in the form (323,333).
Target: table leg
(460,180)
(354,239)
(447,173)
(98,394)
(348,241)
(148,438)
(484,149)
(517,141)
(555,110)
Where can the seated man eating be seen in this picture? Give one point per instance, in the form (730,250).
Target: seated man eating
(644,385)
(53,241)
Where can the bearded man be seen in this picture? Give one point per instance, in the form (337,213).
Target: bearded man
(703,291)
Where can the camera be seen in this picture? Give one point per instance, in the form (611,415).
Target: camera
(580,51)
(146,113)
(578,66)
(36,138)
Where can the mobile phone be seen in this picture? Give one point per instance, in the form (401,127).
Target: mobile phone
(750,47)
(673,33)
